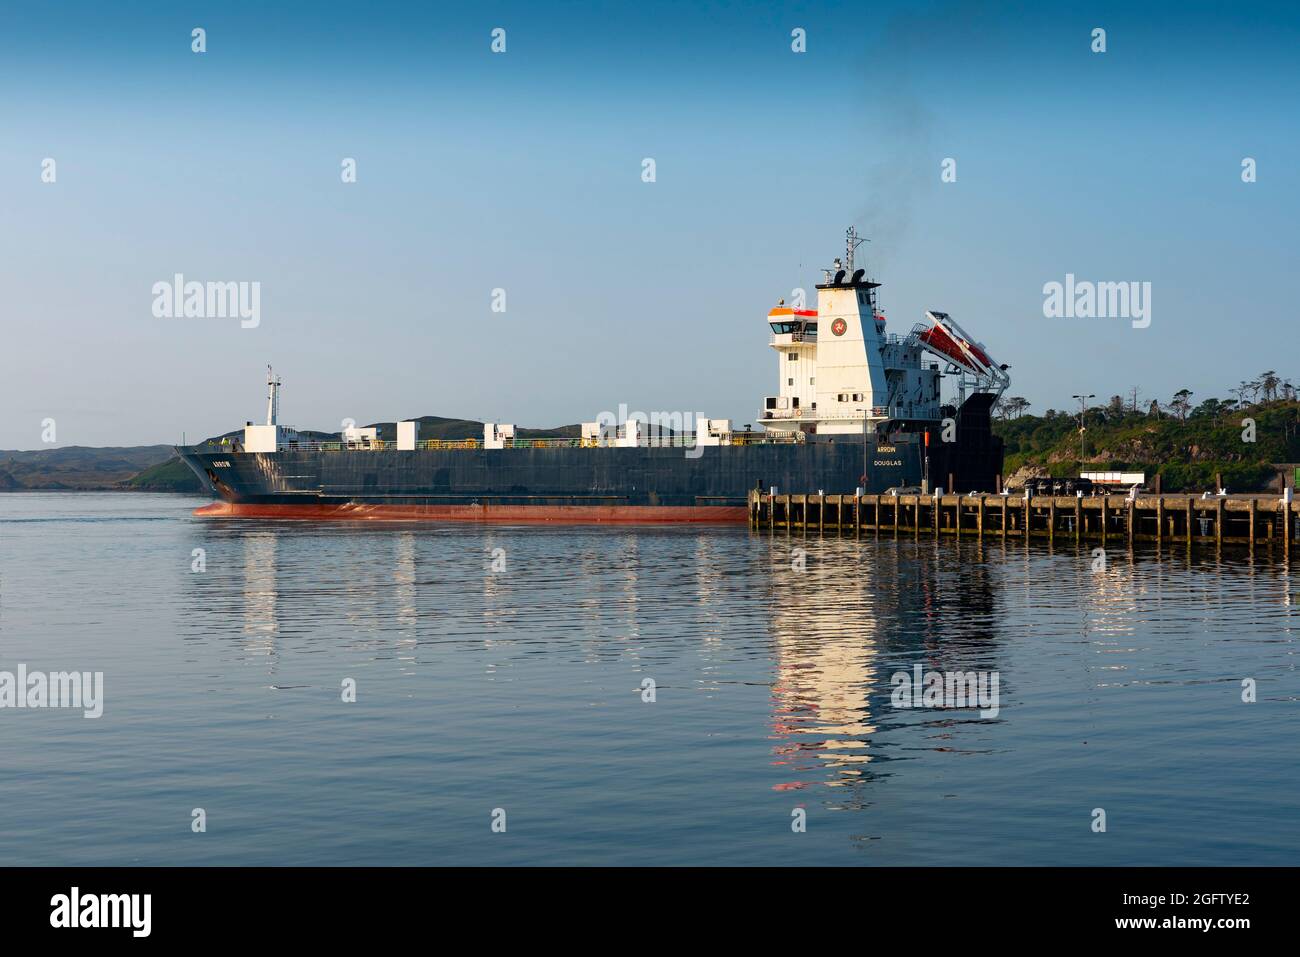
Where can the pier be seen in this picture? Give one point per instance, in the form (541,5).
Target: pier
(1251,521)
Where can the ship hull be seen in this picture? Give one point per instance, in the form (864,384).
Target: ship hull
(546,483)
(539,484)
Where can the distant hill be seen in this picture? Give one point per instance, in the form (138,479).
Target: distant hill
(170,476)
(77,467)
(436,427)
(155,468)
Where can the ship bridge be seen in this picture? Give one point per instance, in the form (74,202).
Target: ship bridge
(841,373)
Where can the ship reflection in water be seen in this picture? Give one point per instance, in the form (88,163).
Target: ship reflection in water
(844,623)
(259,597)
(670,695)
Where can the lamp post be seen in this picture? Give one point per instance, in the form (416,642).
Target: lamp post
(1083,405)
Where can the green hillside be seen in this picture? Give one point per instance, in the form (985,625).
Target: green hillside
(76,467)
(170,476)
(1185,443)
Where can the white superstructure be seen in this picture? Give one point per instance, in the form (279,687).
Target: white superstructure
(842,373)
(272,436)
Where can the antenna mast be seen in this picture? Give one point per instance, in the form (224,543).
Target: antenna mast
(851,242)
(272,397)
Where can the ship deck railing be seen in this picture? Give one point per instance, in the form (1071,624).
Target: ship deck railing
(679,441)
(855,415)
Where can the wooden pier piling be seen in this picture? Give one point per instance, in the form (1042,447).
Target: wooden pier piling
(1237,520)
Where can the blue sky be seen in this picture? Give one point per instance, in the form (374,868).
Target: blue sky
(522,171)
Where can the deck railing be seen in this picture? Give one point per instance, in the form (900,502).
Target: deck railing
(678,441)
(854,415)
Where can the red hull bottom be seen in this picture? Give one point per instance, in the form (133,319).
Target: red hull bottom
(556,514)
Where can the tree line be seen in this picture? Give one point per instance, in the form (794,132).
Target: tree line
(1268,387)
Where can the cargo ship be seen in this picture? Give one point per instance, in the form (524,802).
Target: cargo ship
(857,410)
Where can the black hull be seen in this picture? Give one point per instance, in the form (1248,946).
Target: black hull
(566,477)
(721,475)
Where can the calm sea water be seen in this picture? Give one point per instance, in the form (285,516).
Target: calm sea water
(521,689)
